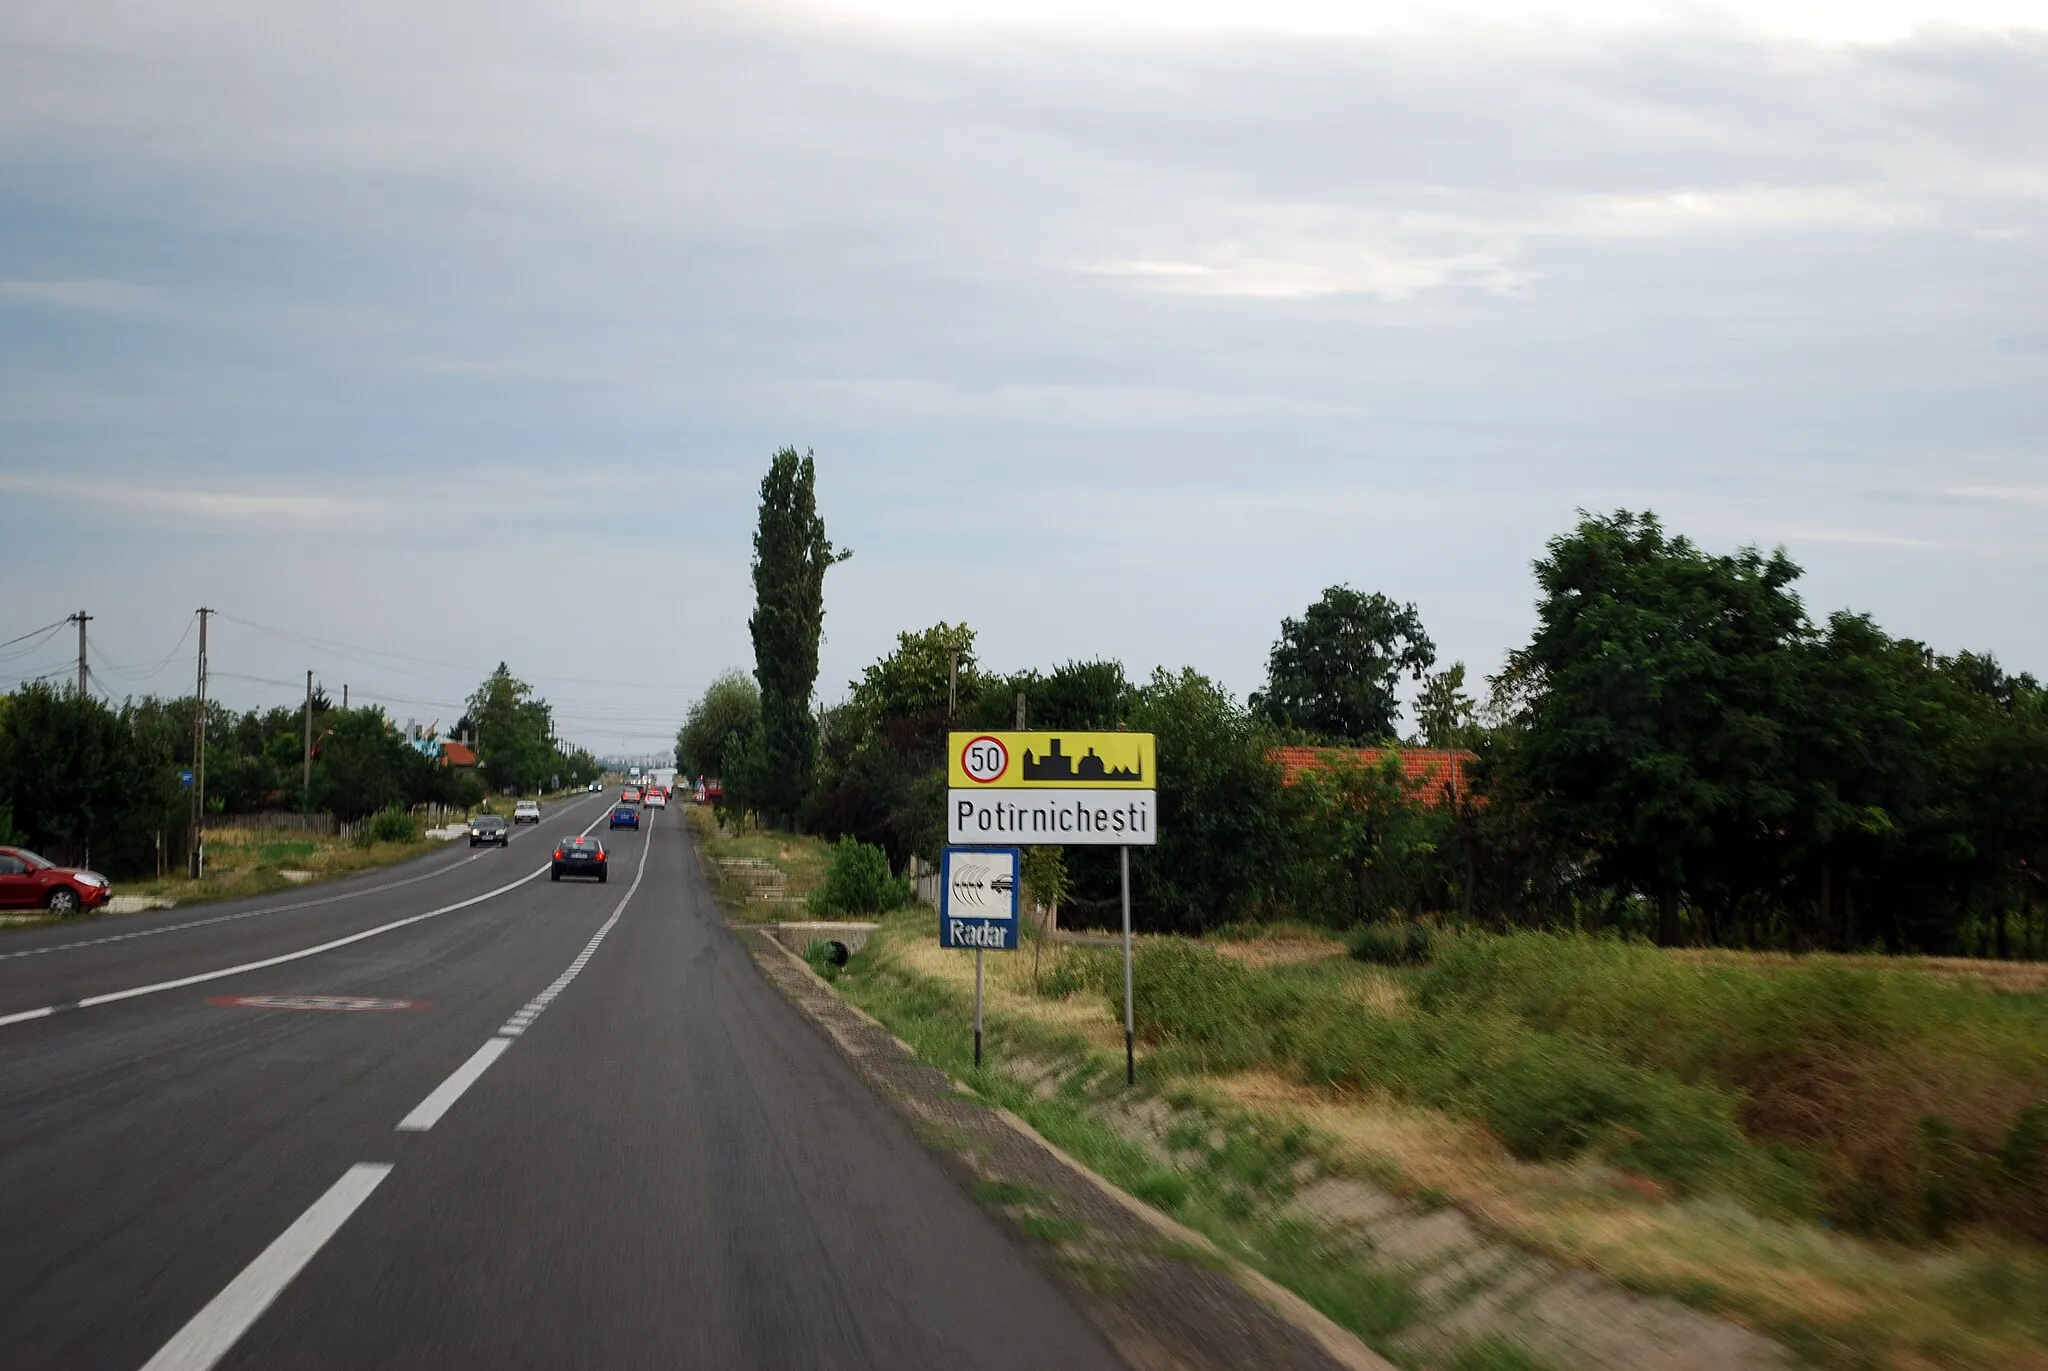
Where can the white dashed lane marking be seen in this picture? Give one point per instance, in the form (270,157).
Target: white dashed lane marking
(213,1330)
(428,1112)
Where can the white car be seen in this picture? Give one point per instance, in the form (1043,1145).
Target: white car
(526,812)
(655,798)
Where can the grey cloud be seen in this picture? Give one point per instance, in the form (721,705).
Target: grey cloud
(1283,313)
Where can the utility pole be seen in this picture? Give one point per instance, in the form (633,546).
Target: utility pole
(199,756)
(952,683)
(344,695)
(81,619)
(306,780)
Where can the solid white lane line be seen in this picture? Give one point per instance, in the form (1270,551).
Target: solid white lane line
(428,1112)
(213,1330)
(247,913)
(45,1011)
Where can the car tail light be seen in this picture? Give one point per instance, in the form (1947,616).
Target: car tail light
(558,854)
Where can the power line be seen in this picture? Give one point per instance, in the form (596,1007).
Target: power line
(47,632)
(130,674)
(365,653)
(34,631)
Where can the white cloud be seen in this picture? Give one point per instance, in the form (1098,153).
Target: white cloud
(1825,21)
(98,296)
(2005,495)
(233,506)
(1326,269)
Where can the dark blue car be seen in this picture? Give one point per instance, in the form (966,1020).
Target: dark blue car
(625,816)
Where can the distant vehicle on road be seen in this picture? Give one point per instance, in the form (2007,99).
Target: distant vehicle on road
(489,828)
(595,787)
(656,798)
(526,812)
(625,816)
(630,796)
(579,856)
(28,881)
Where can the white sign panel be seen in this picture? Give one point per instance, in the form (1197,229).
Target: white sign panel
(1065,818)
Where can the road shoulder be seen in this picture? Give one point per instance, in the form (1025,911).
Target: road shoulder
(1161,1293)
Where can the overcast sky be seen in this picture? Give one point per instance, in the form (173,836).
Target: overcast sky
(464,331)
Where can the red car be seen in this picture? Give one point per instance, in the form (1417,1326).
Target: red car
(31,882)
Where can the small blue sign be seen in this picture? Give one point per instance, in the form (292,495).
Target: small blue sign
(978,897)
(185,778)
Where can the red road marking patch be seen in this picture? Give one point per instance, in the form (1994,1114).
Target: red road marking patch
(338,1004)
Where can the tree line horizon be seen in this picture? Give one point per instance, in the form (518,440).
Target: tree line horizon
(1679,752)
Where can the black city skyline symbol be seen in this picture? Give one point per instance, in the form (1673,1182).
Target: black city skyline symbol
(1056,765)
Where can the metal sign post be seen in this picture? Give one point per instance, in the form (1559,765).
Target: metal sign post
(1130,1019)
(977,1009)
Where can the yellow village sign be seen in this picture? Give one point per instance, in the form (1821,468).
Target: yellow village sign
(1058,759)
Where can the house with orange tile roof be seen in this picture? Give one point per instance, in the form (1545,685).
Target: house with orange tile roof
(1438,775)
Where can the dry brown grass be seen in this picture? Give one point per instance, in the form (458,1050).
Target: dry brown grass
(1279,951)
(243,862)
(2013,978)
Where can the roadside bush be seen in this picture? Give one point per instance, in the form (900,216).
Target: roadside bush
(392,825)
(1391,944)
(1069,970)
(1557,1099)
(858,882)
(1221,1014)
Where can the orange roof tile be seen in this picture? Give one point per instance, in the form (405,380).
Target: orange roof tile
(1439,773)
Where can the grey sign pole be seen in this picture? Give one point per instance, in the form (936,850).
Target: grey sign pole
(1130,1022)
(977,1009)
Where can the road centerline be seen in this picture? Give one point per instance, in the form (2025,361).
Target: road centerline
(442,1098)
(210,1333)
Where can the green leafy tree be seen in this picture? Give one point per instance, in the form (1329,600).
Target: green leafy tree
(66,763)
(364,766)
(1445,714)
(514,732)
(882,753)
(1655,735)
(731,704)
(912,682)
(1334,671)
(1221,843)
(791,556)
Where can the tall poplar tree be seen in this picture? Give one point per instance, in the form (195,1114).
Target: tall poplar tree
(791,555)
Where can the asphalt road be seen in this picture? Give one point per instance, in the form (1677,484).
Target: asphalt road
(593,1137)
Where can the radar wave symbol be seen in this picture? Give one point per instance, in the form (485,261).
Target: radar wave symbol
(980,890)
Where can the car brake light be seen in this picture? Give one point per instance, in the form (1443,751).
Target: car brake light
(558,854)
